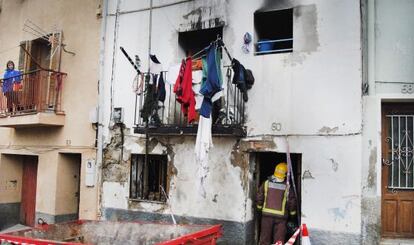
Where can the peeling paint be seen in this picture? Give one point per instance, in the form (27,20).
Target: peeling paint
(335,164)
(262,144)
(372,172)
(115,167)
(328,130)
(215,198)
(371,220)
(307,175)
(240,159)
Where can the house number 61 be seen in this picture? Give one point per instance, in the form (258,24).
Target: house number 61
(407,89)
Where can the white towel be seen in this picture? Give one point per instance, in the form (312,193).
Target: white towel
(204,142)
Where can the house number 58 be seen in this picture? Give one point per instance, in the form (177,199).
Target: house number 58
(407,89)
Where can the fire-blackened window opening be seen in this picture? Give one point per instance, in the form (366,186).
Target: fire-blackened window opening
(274,30)
(193,41)
(147,179)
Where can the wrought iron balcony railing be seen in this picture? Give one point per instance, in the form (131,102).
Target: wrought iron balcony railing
(168,119)
(38,91)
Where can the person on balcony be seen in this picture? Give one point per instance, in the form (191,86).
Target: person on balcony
(11,84)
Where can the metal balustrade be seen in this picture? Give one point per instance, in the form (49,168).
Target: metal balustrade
(39,91)
(168,119)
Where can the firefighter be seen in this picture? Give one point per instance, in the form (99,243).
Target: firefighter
(276,206)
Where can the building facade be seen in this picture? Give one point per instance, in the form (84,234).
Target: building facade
(388,109)
(47,137)
(306,100)
(333,90)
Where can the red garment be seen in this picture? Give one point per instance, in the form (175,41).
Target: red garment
(183,89)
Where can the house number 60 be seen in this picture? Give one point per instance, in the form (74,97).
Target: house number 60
(407,89)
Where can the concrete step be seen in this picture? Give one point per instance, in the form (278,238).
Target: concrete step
(397,242)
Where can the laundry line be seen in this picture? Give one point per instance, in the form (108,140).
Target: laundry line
(219,42)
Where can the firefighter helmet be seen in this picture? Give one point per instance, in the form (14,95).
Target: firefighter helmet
(280,170)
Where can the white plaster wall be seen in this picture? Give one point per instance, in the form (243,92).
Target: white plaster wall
(394,41)
(331,199)
(309,85)
(223,184)
(390,48)
(314,90)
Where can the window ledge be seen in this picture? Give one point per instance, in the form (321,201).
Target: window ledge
(146,201)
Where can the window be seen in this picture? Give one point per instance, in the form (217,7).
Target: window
(274,31)
(147,179)
(42,51)
(193,41)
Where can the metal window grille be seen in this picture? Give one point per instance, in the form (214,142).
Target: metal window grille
(400,152)
(147,179)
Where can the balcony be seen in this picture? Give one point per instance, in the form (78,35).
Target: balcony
(36,103)
(228,115)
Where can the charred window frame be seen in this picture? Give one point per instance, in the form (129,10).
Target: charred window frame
(146,179)
(274,31)
(193,41)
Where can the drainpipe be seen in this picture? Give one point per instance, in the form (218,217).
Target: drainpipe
(146,85)
(101,89)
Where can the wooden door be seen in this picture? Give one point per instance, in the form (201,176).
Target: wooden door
(397,209)
(28,203)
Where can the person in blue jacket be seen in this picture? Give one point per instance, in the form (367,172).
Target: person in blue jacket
(11,78)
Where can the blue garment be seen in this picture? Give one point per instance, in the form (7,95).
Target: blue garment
(206,107)
(213,83)
(10,77)
(214,80)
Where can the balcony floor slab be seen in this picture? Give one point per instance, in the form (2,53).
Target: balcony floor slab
(40,119)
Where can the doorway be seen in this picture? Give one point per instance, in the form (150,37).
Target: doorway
(397,201)
(265,166)
(28,195)
(68,187)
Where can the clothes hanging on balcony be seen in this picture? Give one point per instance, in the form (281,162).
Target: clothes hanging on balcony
(154,92)
(213,82)
(161,88)
(155,64)
(138,84)
(203,144)
(149,111)
(149,100)
(184,92)
(197,79)
(243,78)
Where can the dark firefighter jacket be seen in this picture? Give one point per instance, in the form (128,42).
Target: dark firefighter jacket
(273,199)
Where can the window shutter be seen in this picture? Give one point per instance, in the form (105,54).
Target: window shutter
(24,59)
(22,56)
(55,51)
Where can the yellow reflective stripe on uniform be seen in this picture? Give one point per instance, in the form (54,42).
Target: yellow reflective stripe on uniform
(292,213)
(259,206)
(265,192)
(270,210)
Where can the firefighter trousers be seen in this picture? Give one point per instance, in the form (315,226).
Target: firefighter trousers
(272,229)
